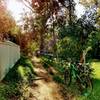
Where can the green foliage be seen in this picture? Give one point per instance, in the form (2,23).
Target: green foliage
(21,74)
(73,30)
(69,47)
(23,69)
(58,79)
(69,44)
(73,41)
(57,64)
(47,62)
(96,84)
(92,41)
(9,91)
(30,48)
(33,46)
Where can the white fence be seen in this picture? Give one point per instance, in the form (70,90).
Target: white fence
(9,54)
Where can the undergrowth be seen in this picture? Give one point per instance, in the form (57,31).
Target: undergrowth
(22,74)
(57,65)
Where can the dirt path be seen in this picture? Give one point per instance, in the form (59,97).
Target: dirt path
(46,91)
(46,88)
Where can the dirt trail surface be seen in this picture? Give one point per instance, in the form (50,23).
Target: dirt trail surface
(46,88)
(46,91)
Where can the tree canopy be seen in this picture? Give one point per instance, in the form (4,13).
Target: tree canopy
(7,22)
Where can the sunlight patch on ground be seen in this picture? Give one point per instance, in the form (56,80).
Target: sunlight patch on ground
(35,59)
(46,91)
(39,70)
(96,66)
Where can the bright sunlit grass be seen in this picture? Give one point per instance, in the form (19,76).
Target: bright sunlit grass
(96,83)
(96,66)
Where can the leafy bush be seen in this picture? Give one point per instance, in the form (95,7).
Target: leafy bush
(69,47)
(23,68)
(9,91)
(47,62)
(21,73)
(58,64)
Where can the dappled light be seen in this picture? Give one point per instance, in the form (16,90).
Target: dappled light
(97,69)
(49,50)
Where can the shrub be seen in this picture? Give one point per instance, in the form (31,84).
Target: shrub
(9,91)
(23,68)
(58,79)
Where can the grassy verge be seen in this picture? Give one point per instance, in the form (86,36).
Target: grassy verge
(96,88)
(20,76)
(57,66)
(73,89)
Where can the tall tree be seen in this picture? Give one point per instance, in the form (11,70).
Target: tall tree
(54,10)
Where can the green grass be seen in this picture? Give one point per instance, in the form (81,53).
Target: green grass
(96,84)
(73,88)
(13,83)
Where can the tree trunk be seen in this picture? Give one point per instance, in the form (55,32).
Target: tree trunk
(41,41)
(82,58)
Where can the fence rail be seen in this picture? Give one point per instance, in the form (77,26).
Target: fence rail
(9,54)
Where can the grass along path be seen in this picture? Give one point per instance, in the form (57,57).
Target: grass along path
(47,89)
(96,83)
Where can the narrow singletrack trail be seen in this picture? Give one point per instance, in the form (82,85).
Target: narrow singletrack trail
(45,88)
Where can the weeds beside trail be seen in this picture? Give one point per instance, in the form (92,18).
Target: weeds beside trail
(31,80)
(48,88)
